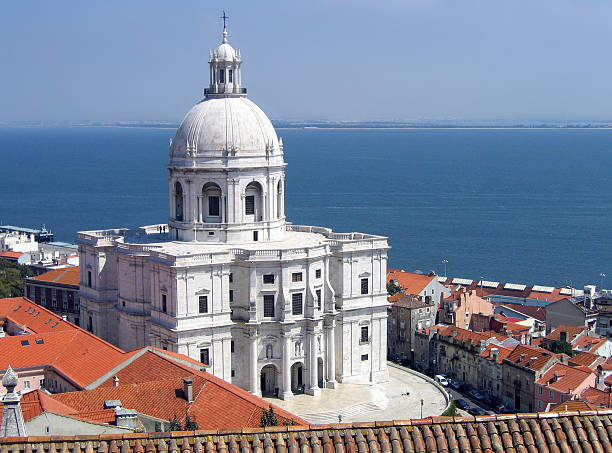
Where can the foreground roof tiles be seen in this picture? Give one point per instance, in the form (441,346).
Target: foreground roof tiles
(33,317)
(562,432)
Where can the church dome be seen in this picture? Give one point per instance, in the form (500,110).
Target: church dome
(224,52)
(216,125)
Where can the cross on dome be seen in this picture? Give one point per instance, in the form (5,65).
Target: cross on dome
(224,17)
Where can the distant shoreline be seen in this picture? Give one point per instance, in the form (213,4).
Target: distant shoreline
(305,126)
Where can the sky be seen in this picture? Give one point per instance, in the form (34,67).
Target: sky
(403,60)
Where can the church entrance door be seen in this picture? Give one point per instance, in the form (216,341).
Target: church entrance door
(268,381)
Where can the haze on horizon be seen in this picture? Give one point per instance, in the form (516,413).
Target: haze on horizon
(325,60)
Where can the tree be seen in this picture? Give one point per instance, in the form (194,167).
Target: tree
(11,278)
(268,418)
(393,288)
(451,411)
(559,347)
(174,425)
(190,425)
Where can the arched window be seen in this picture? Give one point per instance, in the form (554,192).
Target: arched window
(210,210)
(178,201)
(279,200)
(252,203)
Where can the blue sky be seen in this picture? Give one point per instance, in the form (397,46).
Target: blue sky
(338,59)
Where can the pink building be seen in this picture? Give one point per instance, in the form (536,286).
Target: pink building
(562,383)
(458,308)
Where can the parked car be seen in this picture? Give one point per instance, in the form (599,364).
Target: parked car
(477,396)
(454,383)
(462,404)
(476,411)
(441,380)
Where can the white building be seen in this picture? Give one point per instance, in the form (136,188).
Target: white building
(272,307)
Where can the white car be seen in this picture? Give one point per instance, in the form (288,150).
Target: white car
(441,380)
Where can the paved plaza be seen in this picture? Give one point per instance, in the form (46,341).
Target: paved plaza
(398,399)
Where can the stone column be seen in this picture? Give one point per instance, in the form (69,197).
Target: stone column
(313,388)
(286,393)
(253,356)
(331,357)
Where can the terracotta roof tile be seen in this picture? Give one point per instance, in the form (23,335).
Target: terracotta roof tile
(35,318)
(564,378)
(502,352)
(410,282)
(64,276)
(586,359)
(572,332)
(522,355)
(153,385)
(9,254)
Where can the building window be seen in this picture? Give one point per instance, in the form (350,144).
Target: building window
(213,206)
(364,357)
(551,393)
(89,278)
(268,278)
(204,356)
(221,75)
(539,404)
(296,303)
(26,384)
(318,293)
(203,304)
(318,273)
(231,277)
(296,277)
(268,306)
(540,390)
(41,383)
(231,295)
(249,205)
(76,307)
(255,236)
(364,286)
(230,75)
(365,336)
(90,324)
(232,346)
(164,304)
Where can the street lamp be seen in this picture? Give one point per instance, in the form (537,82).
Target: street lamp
(444,261)
(422,401)
(602,275)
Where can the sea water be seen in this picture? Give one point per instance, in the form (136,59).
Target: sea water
(511,205)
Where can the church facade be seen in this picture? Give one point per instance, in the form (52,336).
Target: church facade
(272,307)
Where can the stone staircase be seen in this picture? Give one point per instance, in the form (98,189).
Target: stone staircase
(347,413)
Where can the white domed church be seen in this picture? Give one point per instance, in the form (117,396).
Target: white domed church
(273,307)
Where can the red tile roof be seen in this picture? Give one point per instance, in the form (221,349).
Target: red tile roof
(502,352)
(573,406)
(9,254)
(78,355)
(153,385)
(63,276)
(586,431)
(522,355)
(37,319)
(572,332)
(464,335)
(587,359)
(599,398)
(564,378)
(532,311)
(410,282)
(589,344)
(410,301)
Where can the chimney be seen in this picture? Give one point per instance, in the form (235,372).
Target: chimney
(522,357)
(532,360)
(116,381)
(12,424)
(188,389)
(563,336)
